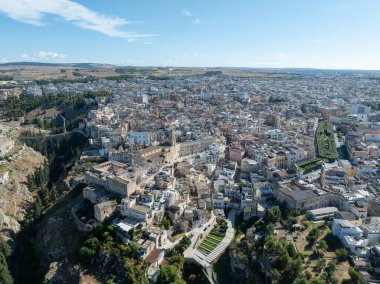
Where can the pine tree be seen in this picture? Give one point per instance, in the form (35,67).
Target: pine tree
(45,195)
(37,207)
(5,275)
(5,248)
(30,183)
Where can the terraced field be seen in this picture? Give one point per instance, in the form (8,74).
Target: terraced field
(212,240)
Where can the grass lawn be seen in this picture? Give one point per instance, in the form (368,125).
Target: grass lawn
(214,237)
(204,251)
(206,246)
(212,240)
(211,244)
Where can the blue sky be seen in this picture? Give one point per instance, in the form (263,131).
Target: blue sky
(338,34)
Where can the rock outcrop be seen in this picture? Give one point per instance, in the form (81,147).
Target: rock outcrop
(14,194)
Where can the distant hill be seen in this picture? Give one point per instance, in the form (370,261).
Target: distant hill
(89,66)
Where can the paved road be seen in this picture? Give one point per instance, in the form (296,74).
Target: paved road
(338,146)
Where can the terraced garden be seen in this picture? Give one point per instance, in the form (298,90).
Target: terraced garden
(214,238)
(310,164)
(326,142)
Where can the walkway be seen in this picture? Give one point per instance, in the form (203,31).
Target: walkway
(206,260)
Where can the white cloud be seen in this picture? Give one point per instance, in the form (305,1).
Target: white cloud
(49,56)
(196,21)
(282,55)
(34,11)
(316,41)
(25,57)
(187,13)
(44,56)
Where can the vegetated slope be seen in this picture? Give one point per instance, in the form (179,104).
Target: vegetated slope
(14,194)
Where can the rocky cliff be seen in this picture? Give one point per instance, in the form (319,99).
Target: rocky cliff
(15,197)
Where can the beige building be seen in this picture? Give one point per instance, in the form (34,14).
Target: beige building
(104,210)
(194,147)
(113,176)
(302,196)
(129,208)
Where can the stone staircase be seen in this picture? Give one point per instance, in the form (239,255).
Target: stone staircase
(222,246)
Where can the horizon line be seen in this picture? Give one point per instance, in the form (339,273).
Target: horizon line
(197,67)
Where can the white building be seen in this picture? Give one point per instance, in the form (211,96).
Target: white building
(140,138)
(321,213)
(276,135)
(358,110)
(129,208)
(342,228)
(218,200)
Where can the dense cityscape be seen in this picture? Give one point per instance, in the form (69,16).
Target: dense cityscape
(210,177)
(189,142)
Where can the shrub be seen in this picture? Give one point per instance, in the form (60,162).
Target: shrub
(341,254)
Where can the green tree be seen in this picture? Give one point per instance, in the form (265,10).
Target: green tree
(92,243)
(301,281)
(177,260)
(275,275)
(355,275)
(294,269)
(30,183)
(166,224)
(331,266)
(321,264)
(169,274)
(322,245)
(85,255)
(5,248)
(269,229)
(313,236)
(37,207)
(341,254)
(317,281)
(308,275)
(274,214)
(5,275)
(291,250)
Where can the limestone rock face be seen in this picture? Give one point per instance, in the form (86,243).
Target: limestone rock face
(15,197)
(63,272)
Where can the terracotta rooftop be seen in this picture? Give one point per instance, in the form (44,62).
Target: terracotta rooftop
(153,256)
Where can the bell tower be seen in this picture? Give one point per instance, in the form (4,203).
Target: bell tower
(173,137)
